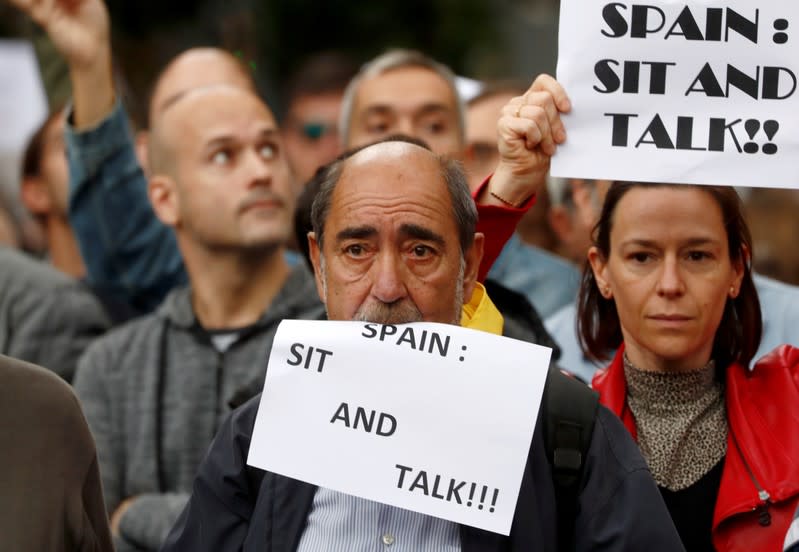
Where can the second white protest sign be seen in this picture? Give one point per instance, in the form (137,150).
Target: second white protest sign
(682,92)
(429,417)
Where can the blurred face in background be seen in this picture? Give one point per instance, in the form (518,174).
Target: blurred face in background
(573,219)
(310,133)
(481,155)
(414,101)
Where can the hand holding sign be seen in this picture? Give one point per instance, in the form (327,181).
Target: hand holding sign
(531,124)
(529,129)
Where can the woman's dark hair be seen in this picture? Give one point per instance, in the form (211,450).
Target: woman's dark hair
(738,335)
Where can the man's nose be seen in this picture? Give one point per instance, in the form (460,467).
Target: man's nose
(259,170)
(405,126)
(388,284)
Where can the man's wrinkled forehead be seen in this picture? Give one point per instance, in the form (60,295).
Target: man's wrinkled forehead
(392,175)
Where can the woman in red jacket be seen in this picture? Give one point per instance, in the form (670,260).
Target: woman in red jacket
(670,286)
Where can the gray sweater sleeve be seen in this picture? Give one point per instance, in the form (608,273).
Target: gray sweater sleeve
(146,523)
(92,388)
(150,516)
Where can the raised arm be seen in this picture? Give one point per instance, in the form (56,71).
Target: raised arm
(530,130)
(126,249)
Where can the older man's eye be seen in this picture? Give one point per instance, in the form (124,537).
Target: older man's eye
(422,251)
(355,250)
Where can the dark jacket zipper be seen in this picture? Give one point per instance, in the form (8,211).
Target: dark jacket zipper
(764,516)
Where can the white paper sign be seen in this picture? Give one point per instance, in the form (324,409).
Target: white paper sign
(429,417)
(23,107)
(700,92)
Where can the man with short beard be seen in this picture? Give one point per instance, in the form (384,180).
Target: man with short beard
(400,254)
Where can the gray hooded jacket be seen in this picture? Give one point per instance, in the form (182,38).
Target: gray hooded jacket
(155,391)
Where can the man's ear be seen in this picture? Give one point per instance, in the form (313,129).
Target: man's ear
(473,257)
(164,197)
(35,197)
(142,143)
(316,260)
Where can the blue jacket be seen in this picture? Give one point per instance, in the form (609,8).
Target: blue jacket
(237,507)
(548,281)
(127,251)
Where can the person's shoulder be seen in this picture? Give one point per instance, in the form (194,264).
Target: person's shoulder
(18,375)
(28,272)
(36,289)
(772,372)
(768,286)
(298,298)
(563,319)
(231,444)
(620,505)
(242,419)
(34,393)
(127,338)
(614,444)
(779,301)
(540,259)
(71,304)
(27,285)
(613,465)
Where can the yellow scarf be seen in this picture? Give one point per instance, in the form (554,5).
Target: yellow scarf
(480,313)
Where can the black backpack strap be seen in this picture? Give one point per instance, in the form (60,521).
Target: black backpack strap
(571,410)
(522,320)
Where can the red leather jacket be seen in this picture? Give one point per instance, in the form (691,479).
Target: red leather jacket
(760,479)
